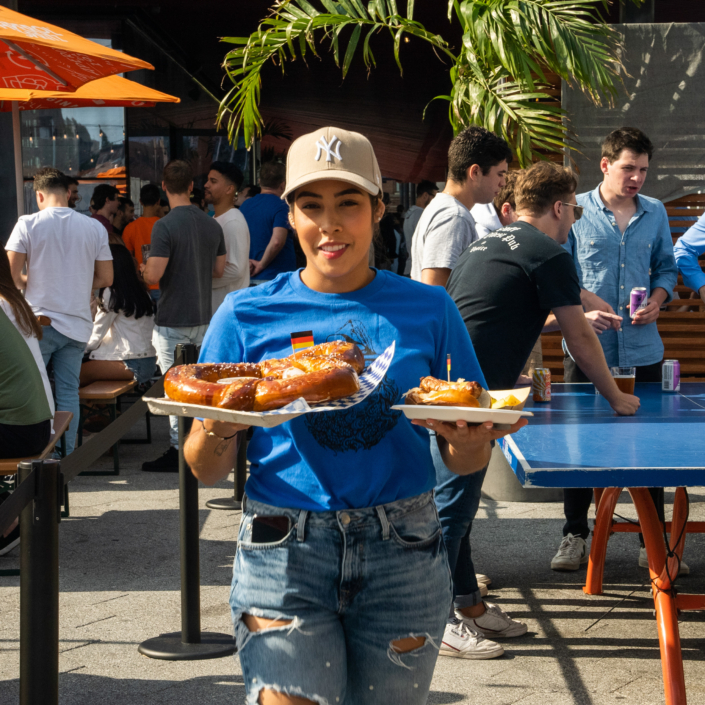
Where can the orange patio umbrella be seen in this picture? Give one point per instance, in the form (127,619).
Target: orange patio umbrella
(39,56)
(111,91)
(36,55)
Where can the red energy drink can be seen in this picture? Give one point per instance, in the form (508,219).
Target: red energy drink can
(637,300)
(541,384)
(671,376)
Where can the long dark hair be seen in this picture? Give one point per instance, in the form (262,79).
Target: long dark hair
(128,292)
(26,320)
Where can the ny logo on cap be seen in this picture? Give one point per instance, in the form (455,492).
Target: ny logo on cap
(332,148)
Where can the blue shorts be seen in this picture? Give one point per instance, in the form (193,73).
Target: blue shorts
(143,368)
(350,583)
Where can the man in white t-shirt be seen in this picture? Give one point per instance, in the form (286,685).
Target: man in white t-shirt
(224,182)
(425,192)
(478,162)
(67,256)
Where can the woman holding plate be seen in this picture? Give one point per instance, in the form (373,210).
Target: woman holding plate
(341,587)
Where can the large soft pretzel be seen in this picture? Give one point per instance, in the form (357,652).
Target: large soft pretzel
(433,391)
(320,373)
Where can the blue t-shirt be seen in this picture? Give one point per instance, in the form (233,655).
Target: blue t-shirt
(263,213)
(368,454)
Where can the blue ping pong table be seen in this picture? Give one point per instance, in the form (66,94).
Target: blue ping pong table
(576,440)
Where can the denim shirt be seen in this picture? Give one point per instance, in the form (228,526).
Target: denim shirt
(687,250)
(611,263)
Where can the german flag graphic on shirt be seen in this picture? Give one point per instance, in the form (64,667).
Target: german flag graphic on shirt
(301,340)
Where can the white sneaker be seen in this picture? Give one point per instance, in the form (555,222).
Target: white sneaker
(483,579)
(493,623)
(572,553)
(483,589)
(644,562)
(460,641)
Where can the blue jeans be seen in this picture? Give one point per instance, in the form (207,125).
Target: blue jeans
(143,368)
(165,340)
(65,354)
(349,583)
(457,499)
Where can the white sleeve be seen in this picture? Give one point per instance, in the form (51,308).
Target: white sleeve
(104,254)
(237,261)
(18,239)
(102,323)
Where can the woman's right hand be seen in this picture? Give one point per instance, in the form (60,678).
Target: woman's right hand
(223,429)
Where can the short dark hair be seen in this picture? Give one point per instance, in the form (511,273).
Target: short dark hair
(506,195)
(626,138)
(476,145)
(230,172)
(103,193)
(164,203)
(541,185)
(177,176)
(196,196)
(48,180)
(426,186)
(272,174)
(150,195)
(253,190)
(72,181)
(124,201)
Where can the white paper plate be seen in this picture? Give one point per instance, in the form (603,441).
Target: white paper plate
(169,407)
(464,413)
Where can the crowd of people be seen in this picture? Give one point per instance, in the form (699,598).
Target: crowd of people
(354,567)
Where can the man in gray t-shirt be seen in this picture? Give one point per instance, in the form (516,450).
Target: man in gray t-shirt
(478,162)
(188,251)
(191,242)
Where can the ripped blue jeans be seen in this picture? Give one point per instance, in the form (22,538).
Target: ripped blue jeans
(349,583)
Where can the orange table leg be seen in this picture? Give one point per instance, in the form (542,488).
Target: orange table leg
(666,612)
(598,496)
(600,536)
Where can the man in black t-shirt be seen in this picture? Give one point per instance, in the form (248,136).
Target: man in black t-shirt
(506,285)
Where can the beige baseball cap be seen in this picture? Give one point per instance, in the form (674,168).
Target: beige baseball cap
(333,153)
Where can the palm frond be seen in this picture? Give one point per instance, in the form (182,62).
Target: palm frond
(498,75)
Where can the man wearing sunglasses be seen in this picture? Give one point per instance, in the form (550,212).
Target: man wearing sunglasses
(623,241)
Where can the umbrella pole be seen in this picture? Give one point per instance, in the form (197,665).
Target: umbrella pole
(17,138)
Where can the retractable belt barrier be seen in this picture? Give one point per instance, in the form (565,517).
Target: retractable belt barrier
(37,501)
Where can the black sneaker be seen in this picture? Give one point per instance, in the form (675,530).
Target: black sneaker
(7,543)
(169,462)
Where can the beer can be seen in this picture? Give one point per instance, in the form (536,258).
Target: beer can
(671,376)
(637,300)
(541,384)
(146,249)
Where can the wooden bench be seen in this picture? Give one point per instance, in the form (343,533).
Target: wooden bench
(108,393)
(682,332)
(62,419)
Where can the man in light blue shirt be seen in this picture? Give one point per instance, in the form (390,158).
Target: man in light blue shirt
(622,241)
(687,251)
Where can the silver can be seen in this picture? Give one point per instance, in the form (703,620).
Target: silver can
(671,376)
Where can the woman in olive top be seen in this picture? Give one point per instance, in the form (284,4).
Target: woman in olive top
(24,411)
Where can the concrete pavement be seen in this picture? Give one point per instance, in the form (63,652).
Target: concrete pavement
(119,578)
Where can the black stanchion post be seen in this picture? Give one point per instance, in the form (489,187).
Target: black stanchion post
(39,586)
(190,643)
(235,502)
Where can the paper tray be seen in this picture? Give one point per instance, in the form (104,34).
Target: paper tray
(169,407)
(464,413)
(369,381)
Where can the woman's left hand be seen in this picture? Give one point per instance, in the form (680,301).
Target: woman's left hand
(464,438)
